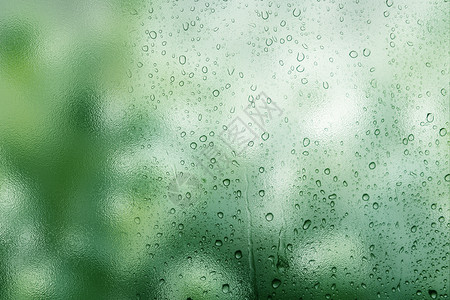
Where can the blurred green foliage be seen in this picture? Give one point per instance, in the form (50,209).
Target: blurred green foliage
(116,182)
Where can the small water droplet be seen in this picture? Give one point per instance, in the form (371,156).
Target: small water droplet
(306,224)
(276,283)
(447,177)
(269,217)
(306,142)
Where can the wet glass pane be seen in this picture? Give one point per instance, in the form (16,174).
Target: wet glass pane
(224,149)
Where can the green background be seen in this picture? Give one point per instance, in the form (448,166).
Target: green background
(120,178)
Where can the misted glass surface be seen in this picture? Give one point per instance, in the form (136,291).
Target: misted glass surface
(224,149)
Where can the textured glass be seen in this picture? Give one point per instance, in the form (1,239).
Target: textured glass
(224,149)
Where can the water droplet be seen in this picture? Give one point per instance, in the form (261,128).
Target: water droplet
(261,169)
(432,293)
(216,93)
(372,165)
(218,243)
(238,254)
(365,197)
(269,217)
(306,142)
(220,214)
(182,59)
(193,145)
(300,58)
(300,68)
(414,229)
(442,132)
(203,138)
(353,54)
(447,177)
(137,220)
(225,288)
(265,136)
(262,193)
(375,205)
(276,283)
(430,117)
(366,52)
(226,182)
(306,224)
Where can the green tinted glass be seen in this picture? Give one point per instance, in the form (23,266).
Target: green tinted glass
(224,149)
